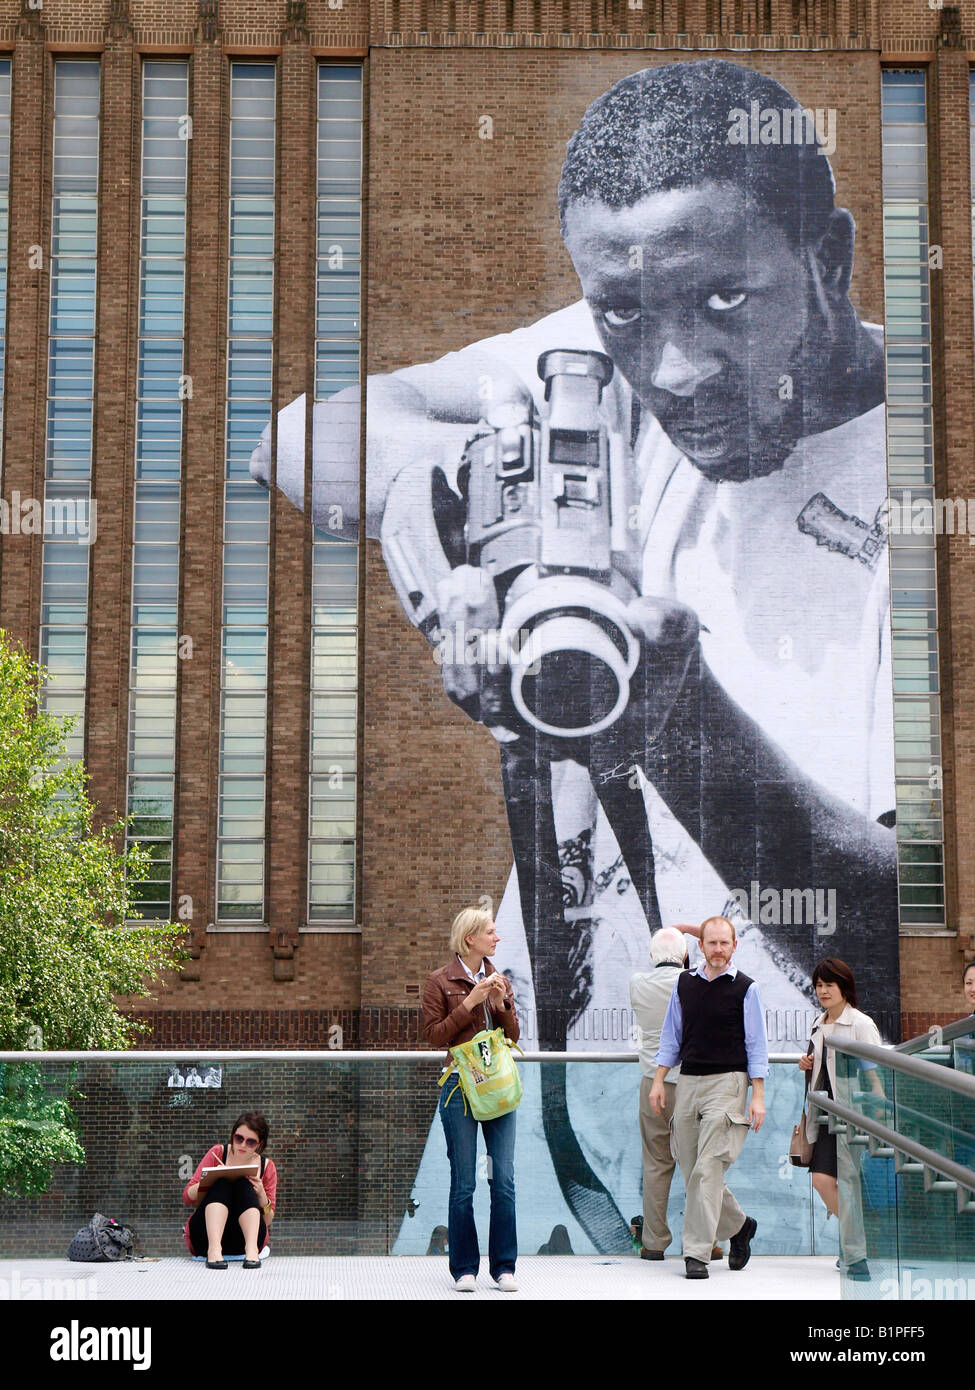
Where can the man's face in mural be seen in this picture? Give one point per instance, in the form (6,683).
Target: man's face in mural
(707,309)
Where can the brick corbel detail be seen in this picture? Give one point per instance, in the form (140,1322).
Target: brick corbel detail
(208,27)
(296,22)
(283,946)
(29,25)
(119,20)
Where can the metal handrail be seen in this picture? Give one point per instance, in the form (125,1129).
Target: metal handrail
(908,1112)
(961,1179)
(946,1033)
(944,1077)
(319,1055)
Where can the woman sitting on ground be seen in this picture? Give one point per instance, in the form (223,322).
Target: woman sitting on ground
(233,1210)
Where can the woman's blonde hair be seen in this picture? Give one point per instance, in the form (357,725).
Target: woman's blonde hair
(468,921)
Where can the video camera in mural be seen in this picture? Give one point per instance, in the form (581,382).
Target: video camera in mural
(542,512)
(641,534)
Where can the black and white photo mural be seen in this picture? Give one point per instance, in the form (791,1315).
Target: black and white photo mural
(644,537)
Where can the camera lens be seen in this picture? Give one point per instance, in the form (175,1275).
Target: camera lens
(573,689)
(576,655)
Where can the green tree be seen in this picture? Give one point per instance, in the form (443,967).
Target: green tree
(64,889)
(37,1130)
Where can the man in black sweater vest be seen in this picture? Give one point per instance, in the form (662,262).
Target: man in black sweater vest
(715,1028)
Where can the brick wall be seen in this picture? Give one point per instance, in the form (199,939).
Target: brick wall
(345,1137)
(463,241)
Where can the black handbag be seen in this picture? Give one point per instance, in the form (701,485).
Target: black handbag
(102,1240)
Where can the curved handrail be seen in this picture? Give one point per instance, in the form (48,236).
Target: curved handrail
(918,1116)
(946,1033)
(963,1178)
(909,1066)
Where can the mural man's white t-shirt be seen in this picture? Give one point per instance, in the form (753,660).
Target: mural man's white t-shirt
(796,633)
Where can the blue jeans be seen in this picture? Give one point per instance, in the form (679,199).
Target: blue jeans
(464,1256)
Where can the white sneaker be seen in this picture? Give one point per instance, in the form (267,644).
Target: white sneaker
(506,1283)
(465,1284)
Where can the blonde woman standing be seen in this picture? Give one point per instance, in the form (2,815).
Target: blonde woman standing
(460,999)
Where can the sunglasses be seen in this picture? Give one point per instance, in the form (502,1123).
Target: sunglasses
(247,1143)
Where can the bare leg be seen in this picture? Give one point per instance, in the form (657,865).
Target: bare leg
(828,1189)
(216,1219)
(250,1222)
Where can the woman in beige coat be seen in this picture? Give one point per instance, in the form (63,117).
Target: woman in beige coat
(834,1167)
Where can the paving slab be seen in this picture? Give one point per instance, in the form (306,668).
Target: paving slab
(398,1278)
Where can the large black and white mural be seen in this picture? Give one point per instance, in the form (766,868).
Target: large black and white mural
(644,538)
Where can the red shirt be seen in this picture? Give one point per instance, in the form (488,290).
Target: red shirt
(210,1159)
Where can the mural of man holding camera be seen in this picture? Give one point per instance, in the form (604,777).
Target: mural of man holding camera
(721,715)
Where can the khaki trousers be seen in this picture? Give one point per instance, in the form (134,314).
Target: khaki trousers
(658,1165)
(709,1128)
(853,1240)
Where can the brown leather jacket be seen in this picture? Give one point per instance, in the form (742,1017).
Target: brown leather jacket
(447,1022)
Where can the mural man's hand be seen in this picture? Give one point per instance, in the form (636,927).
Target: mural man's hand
(469,618)
(669,634)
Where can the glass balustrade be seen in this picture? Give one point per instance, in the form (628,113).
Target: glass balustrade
(360,1152)
(918,1245)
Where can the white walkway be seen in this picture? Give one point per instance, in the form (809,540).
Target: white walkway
(406,1277)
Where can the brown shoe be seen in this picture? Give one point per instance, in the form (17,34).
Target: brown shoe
(717,1253)
(646,1254)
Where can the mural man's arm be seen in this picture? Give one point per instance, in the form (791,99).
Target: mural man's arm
(756,816)
(421,414)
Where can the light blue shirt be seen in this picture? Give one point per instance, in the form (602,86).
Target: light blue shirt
(756,1045)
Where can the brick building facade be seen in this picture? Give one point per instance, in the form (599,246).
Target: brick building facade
(460,240)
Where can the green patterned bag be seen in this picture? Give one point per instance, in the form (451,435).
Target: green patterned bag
(486,1074)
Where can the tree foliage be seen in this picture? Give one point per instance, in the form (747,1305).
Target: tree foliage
(37,1130)
(65,888)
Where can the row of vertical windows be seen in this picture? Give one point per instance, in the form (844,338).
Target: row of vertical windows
(910,450)
(334,666)
(70,391)
(246,517)
(244,632)
(160,390)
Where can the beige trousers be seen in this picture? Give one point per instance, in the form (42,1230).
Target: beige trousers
(658,1165)
(709,1128)
(853,1241)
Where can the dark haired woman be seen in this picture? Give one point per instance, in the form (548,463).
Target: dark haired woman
(833,1164)
(233,1211)
(968,984)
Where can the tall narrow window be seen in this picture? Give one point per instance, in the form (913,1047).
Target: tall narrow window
(161,388)
(244,651)
(332,808)
(917,715)
(70,386)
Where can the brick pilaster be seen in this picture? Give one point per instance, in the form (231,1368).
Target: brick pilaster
(114,428)
(198,721)
(291,530)
(26,347)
